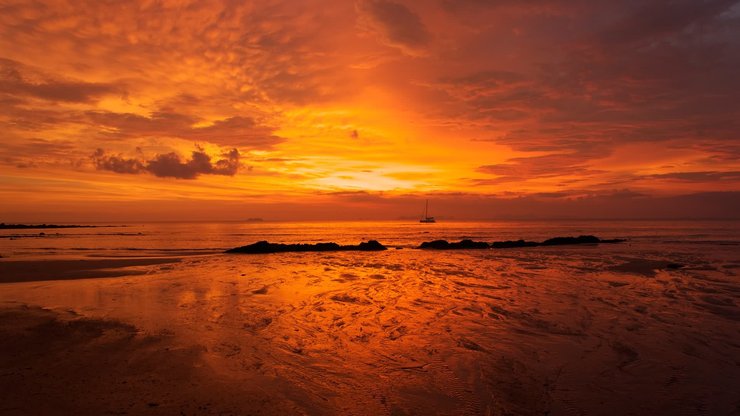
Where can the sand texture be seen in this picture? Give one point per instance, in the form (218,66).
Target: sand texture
(610,329)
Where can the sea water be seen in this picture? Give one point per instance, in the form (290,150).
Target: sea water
(192,238)
(648,326)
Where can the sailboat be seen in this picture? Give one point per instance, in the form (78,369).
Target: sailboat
(427,218)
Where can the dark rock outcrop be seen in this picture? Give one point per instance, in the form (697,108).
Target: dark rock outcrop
(435,245)
(264,247)
(372,245)
(514,244)
(556,241)
(445,245)
(613,241)
(563,241)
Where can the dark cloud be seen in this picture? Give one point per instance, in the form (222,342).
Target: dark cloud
(232,131)
(661,18)
(606,204)
(547,166)
(13,82)
(170,165)
(395,24)
(116,163)
(710,176)
(35,151)
(528,6)
(484,79)
(614,74)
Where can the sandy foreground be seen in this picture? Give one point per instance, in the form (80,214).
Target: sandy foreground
(558,331)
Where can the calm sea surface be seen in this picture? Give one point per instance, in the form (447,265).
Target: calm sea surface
(647,327)
(192,238)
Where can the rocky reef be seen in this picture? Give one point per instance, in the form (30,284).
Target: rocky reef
(556,241)
(264,247)
(446,245)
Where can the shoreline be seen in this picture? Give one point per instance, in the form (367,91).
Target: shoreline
(4,226)
(18,271)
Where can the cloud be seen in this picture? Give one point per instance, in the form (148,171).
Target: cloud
(116,163)
(232,131)
(548,166)
(170,165)
(522,6)
(708,176)
(659,19)
(14,82)
(36,151)
(394,25)
(615,75)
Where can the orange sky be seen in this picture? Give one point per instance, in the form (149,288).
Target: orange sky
(309,109)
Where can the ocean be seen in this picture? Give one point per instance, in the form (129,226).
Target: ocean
(200,238)
(175,326)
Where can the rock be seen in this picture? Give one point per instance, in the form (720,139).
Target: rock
(470,244)
(514,244)
(264,247)
(372,245)
(461,245)
(613,241)
(560,241)
(435,245)
(315,247)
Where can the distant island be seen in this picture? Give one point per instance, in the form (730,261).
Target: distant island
(4,226)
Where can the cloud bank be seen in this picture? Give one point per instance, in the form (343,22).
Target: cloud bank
(170,165)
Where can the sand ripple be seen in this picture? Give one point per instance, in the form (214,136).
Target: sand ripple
(543,331)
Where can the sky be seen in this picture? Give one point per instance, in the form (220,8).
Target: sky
(340,109)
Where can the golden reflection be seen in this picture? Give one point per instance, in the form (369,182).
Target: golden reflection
(442,332)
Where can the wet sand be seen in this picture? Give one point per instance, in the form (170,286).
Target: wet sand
(559,331)
(56,363)
(12,271)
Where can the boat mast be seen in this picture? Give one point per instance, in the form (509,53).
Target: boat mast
(426,210)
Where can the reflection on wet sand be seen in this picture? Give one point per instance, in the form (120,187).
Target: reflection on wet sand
(543,331)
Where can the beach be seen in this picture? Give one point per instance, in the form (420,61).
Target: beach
(370,207)
(642,327)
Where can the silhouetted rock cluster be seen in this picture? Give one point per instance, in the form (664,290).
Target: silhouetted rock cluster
(514,244)
(562,241)
(445,245)
(264,247)
(557,241)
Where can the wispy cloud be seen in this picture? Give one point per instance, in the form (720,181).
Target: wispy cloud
(394,24)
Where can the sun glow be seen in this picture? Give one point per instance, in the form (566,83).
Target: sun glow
(221,102)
